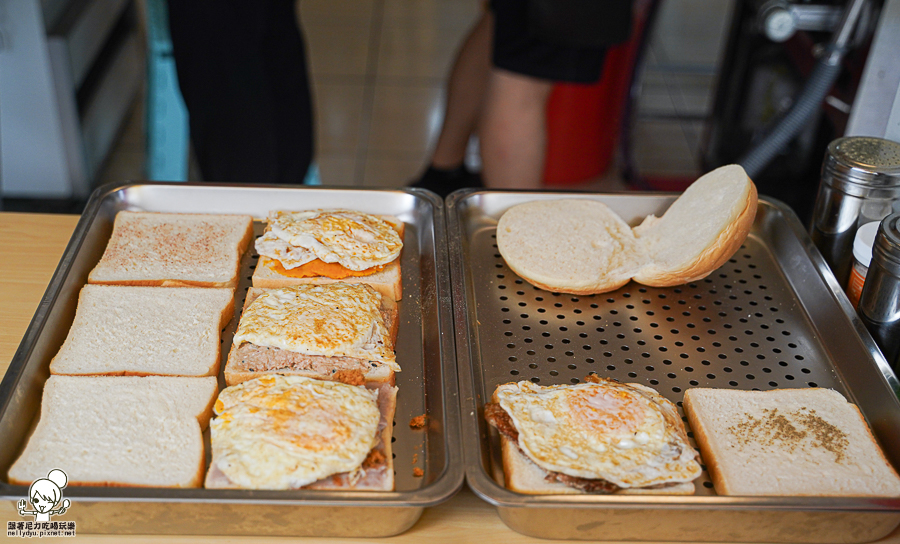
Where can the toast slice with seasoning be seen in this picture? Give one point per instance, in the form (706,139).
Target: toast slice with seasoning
(788,442)
(174,250)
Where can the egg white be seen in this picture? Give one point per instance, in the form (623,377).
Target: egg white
(355,240)
(625,434)
(284,432)
(336,319)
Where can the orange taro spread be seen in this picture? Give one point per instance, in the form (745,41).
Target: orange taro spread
(318,267)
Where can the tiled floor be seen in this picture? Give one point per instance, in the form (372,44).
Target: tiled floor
(378,69)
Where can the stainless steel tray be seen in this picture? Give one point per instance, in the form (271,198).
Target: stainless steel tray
(425,351)
(772,317)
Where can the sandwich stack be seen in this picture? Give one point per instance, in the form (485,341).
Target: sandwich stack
(310,402)
(327,246)
(334,331)
(279,432)
(599,436)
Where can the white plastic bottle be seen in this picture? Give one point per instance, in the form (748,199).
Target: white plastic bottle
(862,257)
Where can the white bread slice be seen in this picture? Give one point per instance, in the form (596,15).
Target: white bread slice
(238,370)
(522,475)
(786,442)
(388,281)
(700,231)
(141,331)
(174,250)
(120,431)
(380,478)
(582,247)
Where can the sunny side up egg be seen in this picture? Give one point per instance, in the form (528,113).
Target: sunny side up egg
(356,240)
(335,320)
(626,434)
(284,432)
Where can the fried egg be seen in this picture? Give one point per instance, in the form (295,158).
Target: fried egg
(284,432)
(336,319)
(625,434)
(355,240)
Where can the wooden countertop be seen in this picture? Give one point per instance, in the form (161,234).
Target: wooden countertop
(31,246)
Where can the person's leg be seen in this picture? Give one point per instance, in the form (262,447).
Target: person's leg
(465,93)
(512,131)
(446,170)
(245,102)
(284,55)
(216,56)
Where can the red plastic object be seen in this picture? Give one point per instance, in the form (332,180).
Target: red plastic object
(583,120)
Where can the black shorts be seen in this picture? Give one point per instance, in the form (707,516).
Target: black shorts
(527,42)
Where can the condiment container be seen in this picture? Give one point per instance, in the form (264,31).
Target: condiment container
(862,256)
(860,183)
(879,303)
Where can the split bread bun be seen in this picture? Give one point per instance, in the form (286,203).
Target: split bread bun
(120,431)
(248,360)
(174,250)
(292,432)
(582,247)
(142,331)
(787,442)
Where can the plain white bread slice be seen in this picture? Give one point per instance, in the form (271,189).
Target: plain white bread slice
(806,442)
(120,431)
(174,250)
(701,230)
(572,246)
(120,330)
(583,247)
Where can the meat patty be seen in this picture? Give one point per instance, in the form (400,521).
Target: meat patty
(260,359)
(499,418)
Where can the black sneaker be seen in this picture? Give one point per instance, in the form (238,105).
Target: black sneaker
(444,182)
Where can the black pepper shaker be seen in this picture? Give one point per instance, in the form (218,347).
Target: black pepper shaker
(879,303)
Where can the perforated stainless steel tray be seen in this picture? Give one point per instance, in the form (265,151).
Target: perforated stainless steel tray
(772,317)
(425,351)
